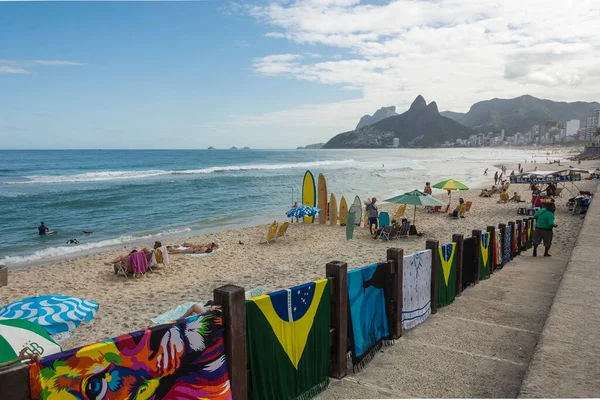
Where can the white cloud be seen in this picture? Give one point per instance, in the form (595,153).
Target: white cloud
(25,66)
(455,52)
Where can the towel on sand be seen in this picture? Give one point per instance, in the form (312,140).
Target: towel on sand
(175,314)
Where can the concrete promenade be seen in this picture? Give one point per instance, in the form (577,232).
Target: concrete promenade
(566,362)
(482,345)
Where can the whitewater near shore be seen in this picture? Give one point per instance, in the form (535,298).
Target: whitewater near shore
(128,304)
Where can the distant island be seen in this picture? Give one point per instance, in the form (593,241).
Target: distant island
(246,148)
(211,148)
(311,146)
(233,148)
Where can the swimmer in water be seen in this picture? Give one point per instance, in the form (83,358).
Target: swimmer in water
(43,229)
(72,241)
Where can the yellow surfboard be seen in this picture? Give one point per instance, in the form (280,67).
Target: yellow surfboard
(333,215)
(343,214)
(309,196)
(322,196)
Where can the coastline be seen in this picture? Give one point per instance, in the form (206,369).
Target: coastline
(128,304)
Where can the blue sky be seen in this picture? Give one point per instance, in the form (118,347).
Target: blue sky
(270,73)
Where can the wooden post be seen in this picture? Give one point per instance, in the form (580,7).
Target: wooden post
(502,228)
(458,239)
(397,256)
(339,317)
(14,382)
(476,233)
(434,245)
(492,239)
(232,299)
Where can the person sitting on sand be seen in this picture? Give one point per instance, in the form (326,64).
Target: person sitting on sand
(516,198)
(457,213)
(503,197)
(485,193)
(198,309)
(189,248)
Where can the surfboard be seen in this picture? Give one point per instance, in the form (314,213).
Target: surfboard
(358,214)
(350,225)
(333,210)
(309,196)
(343,214)
(322,199)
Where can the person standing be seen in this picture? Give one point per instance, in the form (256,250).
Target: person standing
(544,223)
(519,167)
(372,213)
(496,178)
(43,229)
(485,172)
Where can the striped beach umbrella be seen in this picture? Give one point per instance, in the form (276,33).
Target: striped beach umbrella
(18,334)
(449,185)
(55,313)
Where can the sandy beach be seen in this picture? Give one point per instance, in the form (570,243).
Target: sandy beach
(128,304)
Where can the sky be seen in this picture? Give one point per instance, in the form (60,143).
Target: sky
(274,73)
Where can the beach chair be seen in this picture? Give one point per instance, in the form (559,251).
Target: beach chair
(404,229)
(389,232)
(469,204)
(282,230)
(270,236)
(384,219)
(400,212)
(122,269)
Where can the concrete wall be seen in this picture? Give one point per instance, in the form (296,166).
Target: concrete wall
(566,362)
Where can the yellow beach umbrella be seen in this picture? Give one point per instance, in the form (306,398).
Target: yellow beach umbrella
(449,185)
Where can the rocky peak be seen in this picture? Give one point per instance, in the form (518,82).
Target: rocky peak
(418,104)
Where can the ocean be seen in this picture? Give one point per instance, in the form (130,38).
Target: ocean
(131,196)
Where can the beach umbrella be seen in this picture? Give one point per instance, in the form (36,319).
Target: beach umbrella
(303,211)
(416,198)
(55,313)
(449,185)
(18,334)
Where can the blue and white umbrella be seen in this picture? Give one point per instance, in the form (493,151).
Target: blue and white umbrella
(303,211)
(56,313)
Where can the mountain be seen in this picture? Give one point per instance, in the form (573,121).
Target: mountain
(519,114)
(420,126)
(380,114)
(311,146)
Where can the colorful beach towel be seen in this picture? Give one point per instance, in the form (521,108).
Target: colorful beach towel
(513,241)
(368,297)
(175,314)
(484,256)
(507,245)
(529,233)
(498,248)
(447,274)
(416,289)
(524,235)
(288,342)
(184,360)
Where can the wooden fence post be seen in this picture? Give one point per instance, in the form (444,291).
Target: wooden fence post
(397,256)
(476,233)
(492,243)
(434,245)
(458,239)
(14,382)
(338,271)
(502,228)
(232,299)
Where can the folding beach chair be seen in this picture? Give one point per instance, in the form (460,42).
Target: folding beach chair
(469,204)
(404,229)
(384,219)
(122,269)
(400,212)
(389,232)
(270,237)
(282,230)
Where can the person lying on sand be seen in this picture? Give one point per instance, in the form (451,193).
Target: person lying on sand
(485,193)
(516,198)
(198,309)
(189,248)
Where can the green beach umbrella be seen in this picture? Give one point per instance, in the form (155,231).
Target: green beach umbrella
(17,334)
(449,185)
(416,198)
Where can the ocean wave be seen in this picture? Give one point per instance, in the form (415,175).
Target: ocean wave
(125,175)
(57,252)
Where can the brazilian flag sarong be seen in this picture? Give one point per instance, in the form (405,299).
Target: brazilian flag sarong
(368,297)
(529,234)
(447,274)
(288,342)
(484,256)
